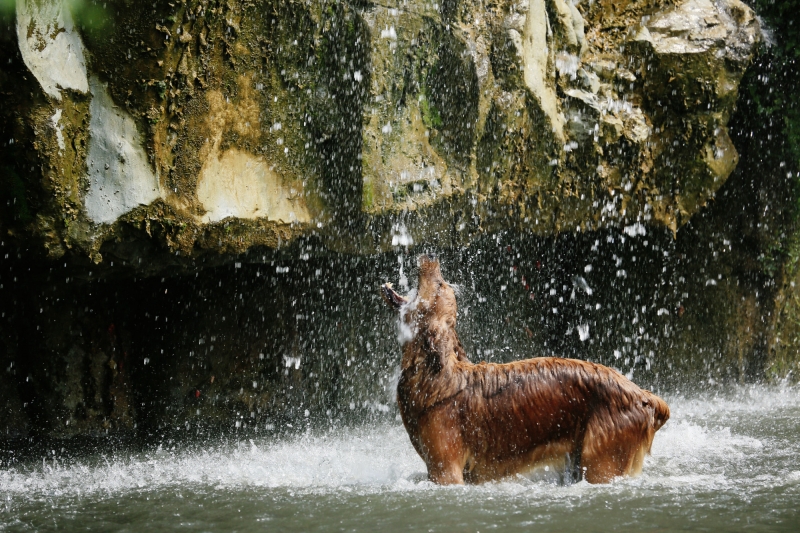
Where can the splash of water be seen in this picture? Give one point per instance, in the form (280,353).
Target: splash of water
(711,442)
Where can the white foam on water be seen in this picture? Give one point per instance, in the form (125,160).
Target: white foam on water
(699,449)
(375,458)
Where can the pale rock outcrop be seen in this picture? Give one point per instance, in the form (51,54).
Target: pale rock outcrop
(120,176)
(51,46)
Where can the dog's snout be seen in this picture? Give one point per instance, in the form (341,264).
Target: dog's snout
(426,258)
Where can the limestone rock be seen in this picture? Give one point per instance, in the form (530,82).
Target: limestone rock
(120,177)
(343,121)
(51,46)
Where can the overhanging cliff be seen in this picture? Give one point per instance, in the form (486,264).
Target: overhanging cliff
(217,126)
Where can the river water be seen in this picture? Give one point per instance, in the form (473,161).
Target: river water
(728,460)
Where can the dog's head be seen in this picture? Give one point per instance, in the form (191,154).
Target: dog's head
(434,298)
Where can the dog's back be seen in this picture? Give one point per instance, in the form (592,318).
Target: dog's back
(517,416)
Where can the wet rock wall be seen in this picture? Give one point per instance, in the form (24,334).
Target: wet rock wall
(279,342)
(175,318)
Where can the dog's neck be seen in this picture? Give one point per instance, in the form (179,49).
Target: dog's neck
(433,369)
(434,347)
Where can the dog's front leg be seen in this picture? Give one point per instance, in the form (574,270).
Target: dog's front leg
(443,447)
(446,472)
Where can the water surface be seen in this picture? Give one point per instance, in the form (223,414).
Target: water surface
(726,461)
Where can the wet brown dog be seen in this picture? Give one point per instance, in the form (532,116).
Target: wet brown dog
(483,422)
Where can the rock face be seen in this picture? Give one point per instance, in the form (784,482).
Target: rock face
(282,119)
(195,195)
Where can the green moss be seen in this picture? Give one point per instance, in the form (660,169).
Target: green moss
(161,89)
(772,86)
(6,7)
(769,122)
(430,115)
(368,195)
(782,56)
(90,15)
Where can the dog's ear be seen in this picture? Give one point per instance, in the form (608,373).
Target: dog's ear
(391,297)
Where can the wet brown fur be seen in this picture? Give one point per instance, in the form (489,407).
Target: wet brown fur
(480,422)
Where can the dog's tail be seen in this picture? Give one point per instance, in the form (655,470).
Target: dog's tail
(660,410)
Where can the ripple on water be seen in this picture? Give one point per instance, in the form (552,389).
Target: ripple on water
(722,452)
